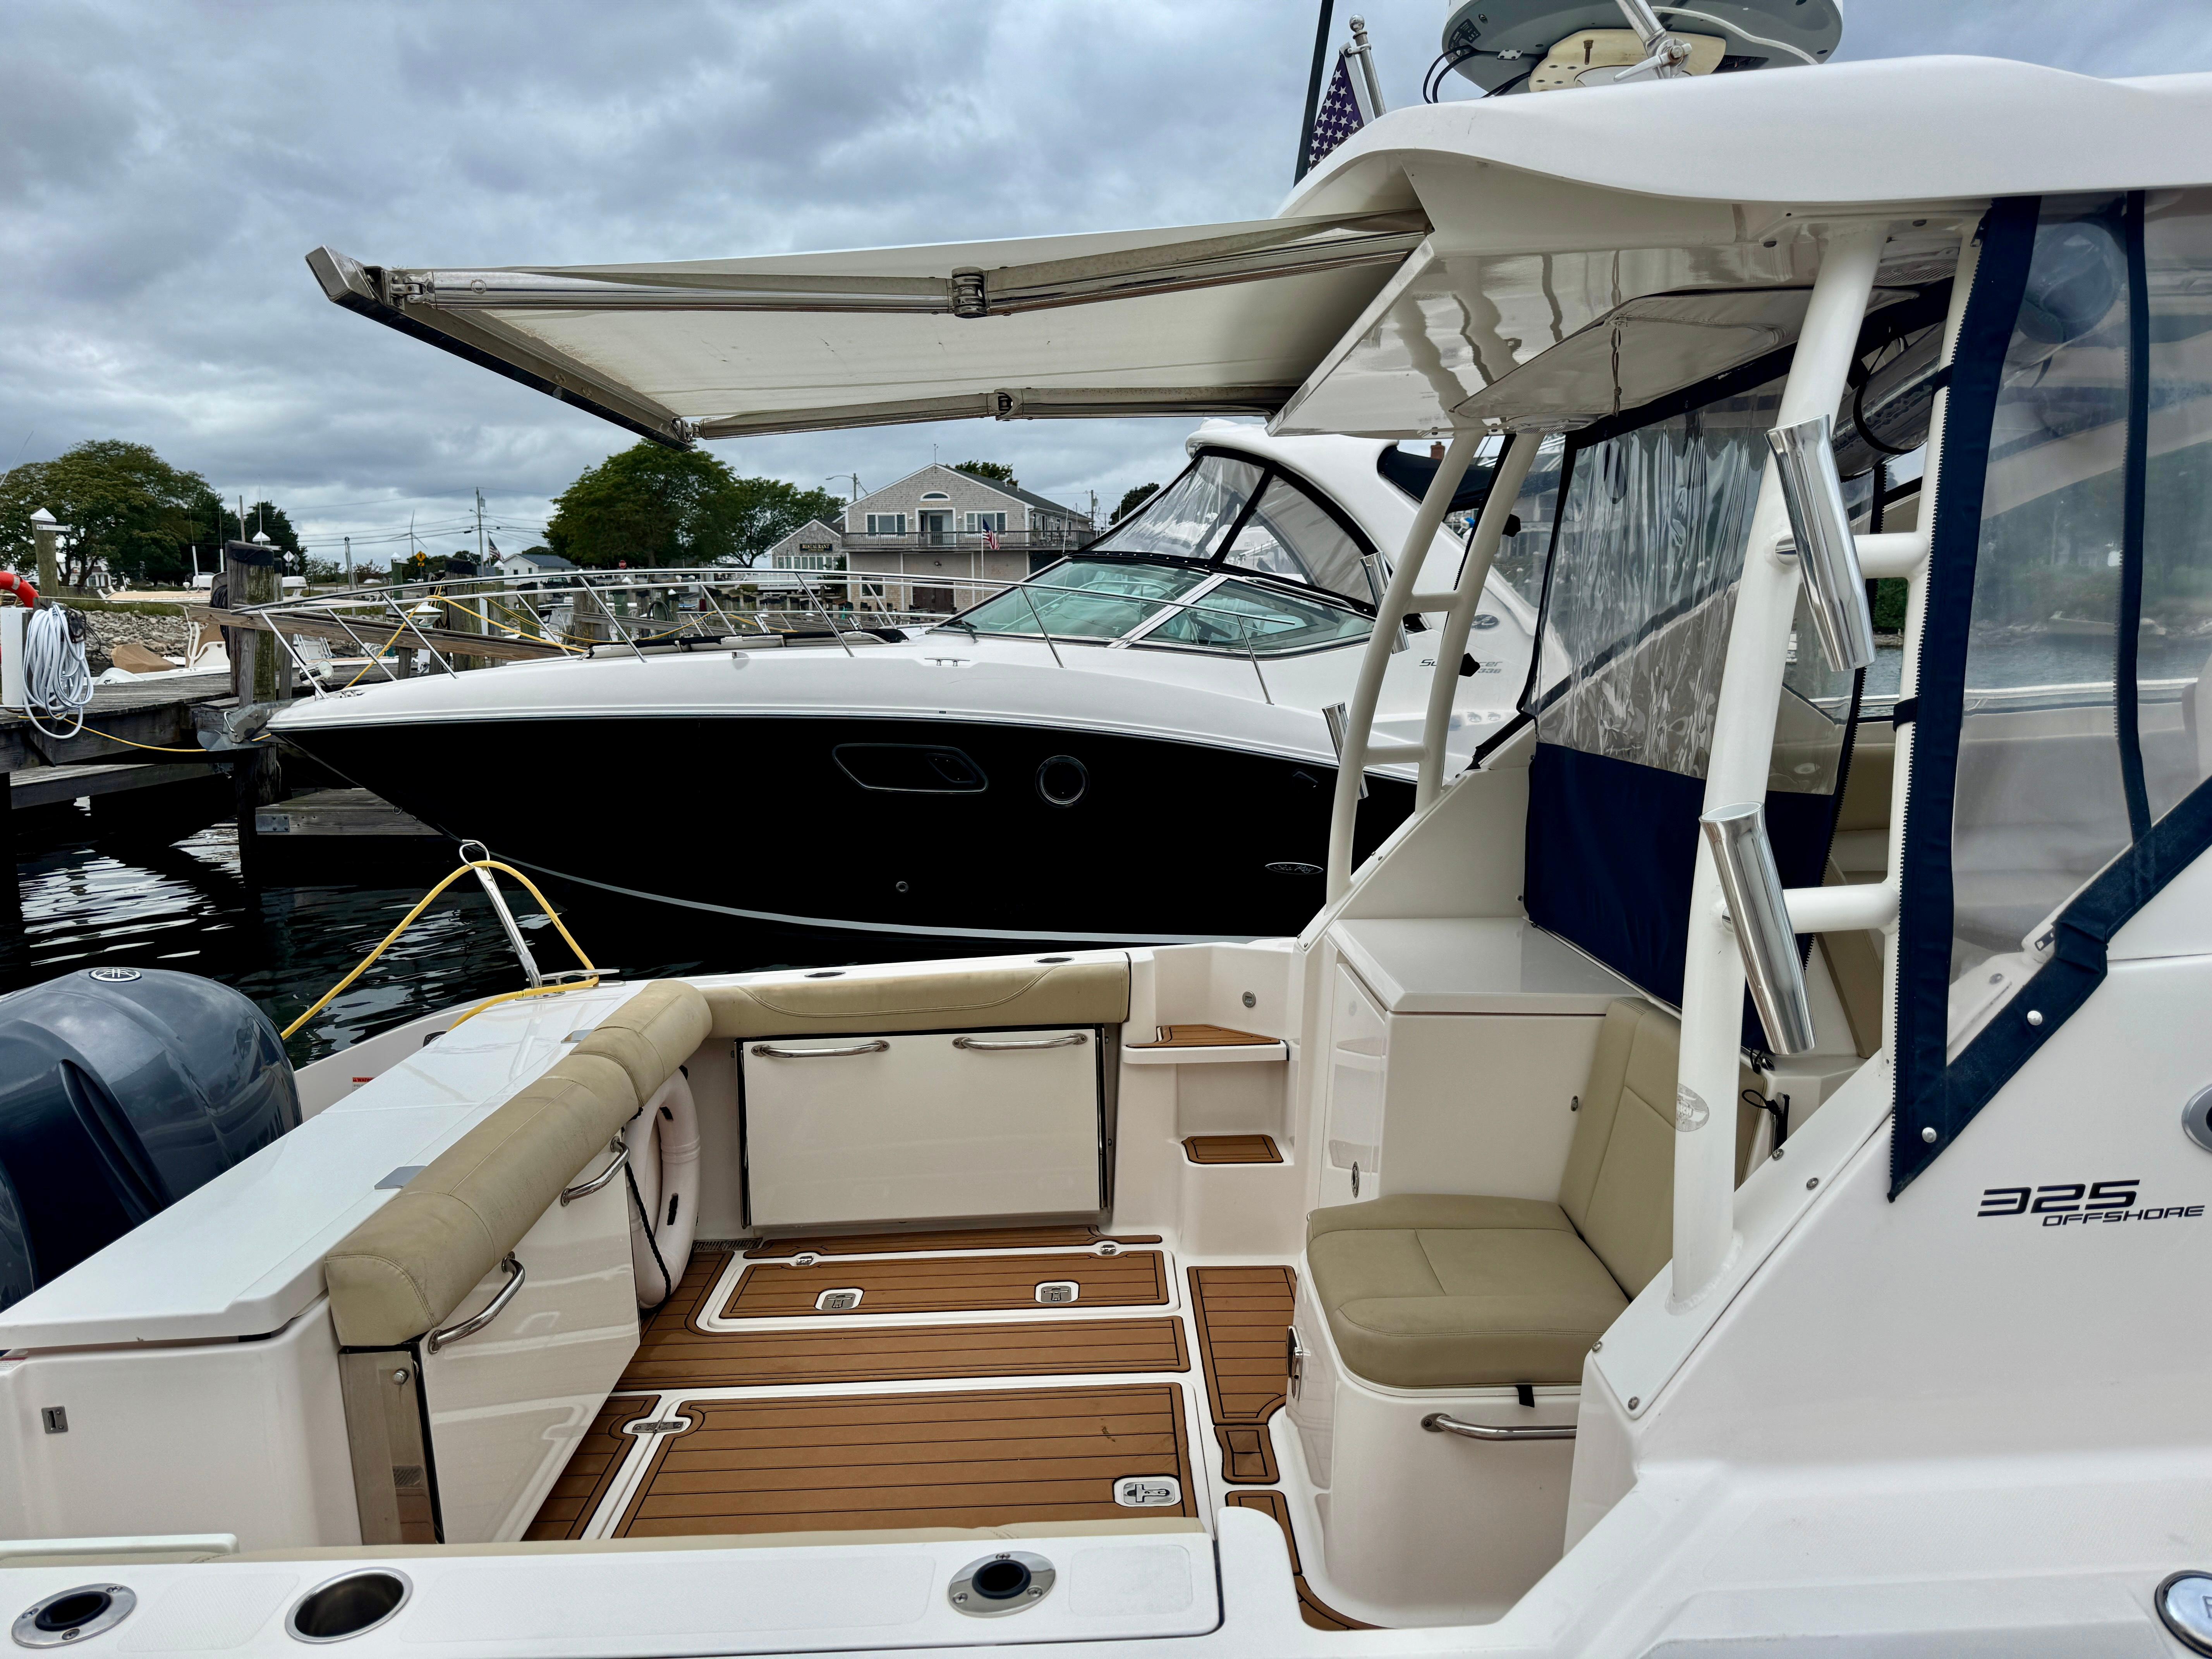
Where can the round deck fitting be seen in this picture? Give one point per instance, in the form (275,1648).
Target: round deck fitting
(66,1618)
(999,1584)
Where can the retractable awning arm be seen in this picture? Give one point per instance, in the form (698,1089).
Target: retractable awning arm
(1209,320)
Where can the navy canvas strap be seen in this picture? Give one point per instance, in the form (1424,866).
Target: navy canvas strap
(1925,920)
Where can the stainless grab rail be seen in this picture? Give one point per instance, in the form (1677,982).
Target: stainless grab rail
(1438,1423)
(453,1333)
(1068,1040)
(768,1051)
(620,1148)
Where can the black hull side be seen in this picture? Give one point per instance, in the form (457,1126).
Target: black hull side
(753,817)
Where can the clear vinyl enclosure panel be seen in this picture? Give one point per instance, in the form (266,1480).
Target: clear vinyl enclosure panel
(1641,595)
(2076,592)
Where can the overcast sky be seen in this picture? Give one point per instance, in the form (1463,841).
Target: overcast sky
(164,167)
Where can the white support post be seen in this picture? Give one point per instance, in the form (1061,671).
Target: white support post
(1481,552)
(1742,752)
(1359,722)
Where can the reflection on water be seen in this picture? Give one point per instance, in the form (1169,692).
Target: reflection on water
(89,901)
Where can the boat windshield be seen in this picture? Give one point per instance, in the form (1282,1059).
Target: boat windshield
(1085,600)
(1229,510)
(1247,616)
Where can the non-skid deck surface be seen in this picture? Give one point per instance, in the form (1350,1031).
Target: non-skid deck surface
(1311,1607)
(1243,1319)
(972,1284)
(1231,1149)
(1206,1037)
(967,1459)
(676,1352)
(972,1238)
(568,1508)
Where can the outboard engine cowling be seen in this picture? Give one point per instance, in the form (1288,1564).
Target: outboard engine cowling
(122,1089)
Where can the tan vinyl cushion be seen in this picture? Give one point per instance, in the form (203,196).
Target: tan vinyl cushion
(408,1266)
(652,1034)
(1619,1189)
(1426,1290)
(1432,1291)
(992,997)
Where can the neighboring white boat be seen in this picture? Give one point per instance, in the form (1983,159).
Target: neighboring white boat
(1472,1265)
(1174,672)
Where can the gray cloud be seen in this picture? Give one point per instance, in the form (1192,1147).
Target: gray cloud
(164,167)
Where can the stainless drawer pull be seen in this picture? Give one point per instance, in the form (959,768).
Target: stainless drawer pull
(768,1051)
(620,1148)
(492,1309)
(1294,1360)
(1438,1423)
(1070,1040)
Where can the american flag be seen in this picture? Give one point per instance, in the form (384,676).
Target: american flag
(991,540)
(1343,112)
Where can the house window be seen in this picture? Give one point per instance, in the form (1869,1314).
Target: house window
(887,523)
(978,522)
(935,495)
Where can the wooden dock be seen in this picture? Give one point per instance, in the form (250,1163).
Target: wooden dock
(346,812)
(157,713)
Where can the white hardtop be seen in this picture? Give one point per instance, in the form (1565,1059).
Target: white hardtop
(1891,130)
(242,1256)
(1648,183)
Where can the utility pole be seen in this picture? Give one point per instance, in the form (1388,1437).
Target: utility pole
(480,546)
(349,560)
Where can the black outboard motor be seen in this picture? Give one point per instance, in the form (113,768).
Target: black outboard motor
(122,1089)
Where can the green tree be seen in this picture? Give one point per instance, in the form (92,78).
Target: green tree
(1133,499)
(121,502)
(647,506)
(1889,596)
(996,471)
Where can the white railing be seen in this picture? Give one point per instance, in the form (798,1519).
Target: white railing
(586,613)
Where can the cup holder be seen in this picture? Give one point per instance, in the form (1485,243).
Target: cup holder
(66,1619)
(348,1606)
(999,1584)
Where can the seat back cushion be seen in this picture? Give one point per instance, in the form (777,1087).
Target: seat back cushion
(408,1266)
(652,1034)
(989,995)
(1619,1189)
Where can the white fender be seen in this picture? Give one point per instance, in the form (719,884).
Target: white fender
(663,1154)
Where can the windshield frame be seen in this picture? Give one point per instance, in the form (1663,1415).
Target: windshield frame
(1370,557)
(1211,577)
(1216,569)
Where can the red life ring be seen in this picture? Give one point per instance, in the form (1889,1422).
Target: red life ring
(20,587)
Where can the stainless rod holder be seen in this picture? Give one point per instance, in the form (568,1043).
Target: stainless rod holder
(1338,718)
(1821,537)
(1752,886)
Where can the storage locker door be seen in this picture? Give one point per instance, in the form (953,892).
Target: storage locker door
(508,1403)
(938,1126)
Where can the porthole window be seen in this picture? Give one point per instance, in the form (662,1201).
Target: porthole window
(1062,780)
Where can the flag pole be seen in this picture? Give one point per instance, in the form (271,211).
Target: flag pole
(1364,52)
(1313,89)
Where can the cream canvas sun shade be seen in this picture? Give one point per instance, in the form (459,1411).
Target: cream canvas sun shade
(1208,320)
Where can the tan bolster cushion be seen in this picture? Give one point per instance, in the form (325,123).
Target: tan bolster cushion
(652,1034)
(410,1264)
(995,996)
(1442,1291)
